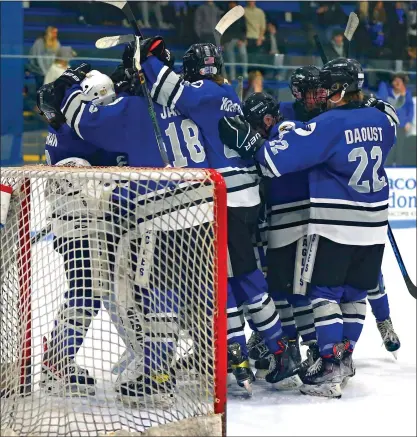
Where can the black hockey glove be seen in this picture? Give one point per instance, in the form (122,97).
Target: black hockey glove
(388,109)
(154,46)
(237,134)
(49,105)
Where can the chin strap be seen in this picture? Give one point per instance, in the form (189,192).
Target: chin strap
(345,86)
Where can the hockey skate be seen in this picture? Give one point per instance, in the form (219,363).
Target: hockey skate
(389,337)
(257,349)
(156,390)
(65,377)
(348,369)
(240,369)
(312,354)
(325,376)
(71,379)
(283,370)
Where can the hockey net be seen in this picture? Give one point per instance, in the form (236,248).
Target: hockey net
(120,273)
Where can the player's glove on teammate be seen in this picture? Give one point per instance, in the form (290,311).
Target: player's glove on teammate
(156,46)
(50,96)
(237,134)
(381,105)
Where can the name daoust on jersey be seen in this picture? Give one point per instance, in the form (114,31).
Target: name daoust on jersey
(364,134)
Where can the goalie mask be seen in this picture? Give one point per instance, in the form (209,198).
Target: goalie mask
(262,112)
(201,61)
(343,76)
(306,88)
(99,88)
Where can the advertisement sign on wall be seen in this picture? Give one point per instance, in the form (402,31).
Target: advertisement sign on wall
(402,196)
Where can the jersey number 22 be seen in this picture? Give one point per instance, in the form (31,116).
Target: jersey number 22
(364,186)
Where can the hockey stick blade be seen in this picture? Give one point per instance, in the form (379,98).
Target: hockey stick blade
(352,25)
(229,18)
(111,41)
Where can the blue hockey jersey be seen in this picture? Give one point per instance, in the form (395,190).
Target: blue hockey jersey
(345,149)
(125,126)
(206,102)
(287,198)
(65,143)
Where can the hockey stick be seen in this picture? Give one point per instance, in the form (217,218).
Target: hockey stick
(350,28)
(320,49)
(111,41)
(229,18)
(126,9)
(240,87)
(226,21)
(408,282)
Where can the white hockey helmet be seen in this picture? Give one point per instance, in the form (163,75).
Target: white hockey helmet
(99,88)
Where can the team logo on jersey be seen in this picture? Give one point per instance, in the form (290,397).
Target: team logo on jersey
(93,108)
(307,130)
(230,106)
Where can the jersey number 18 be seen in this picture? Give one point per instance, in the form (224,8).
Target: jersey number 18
(191,138)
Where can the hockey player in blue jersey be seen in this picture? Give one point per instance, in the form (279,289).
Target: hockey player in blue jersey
(344,148)
(115,128)
(287,205)
(203,95)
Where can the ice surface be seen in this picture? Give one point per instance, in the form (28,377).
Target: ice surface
(379,401)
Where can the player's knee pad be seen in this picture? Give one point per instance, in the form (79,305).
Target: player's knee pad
(284,308)
(354,315)
(379,291)
(326,312)
(263,312)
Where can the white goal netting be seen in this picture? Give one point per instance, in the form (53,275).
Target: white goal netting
(113,297)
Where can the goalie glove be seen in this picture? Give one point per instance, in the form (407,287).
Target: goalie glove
(237,134)
(384,107)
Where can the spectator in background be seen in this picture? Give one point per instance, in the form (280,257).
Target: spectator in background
(331,16)
(256,26)
(255,83)
(144,9)
(235,38)
(362,38)
(412,25)
(205,20)
(398,32)
(336,47)
(44,50)
(272,46)
(400,97)
(60,64)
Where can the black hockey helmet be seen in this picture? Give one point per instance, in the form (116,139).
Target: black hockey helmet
(256,106)
(342,75)
(201,61)
(303,79)
(306,88)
